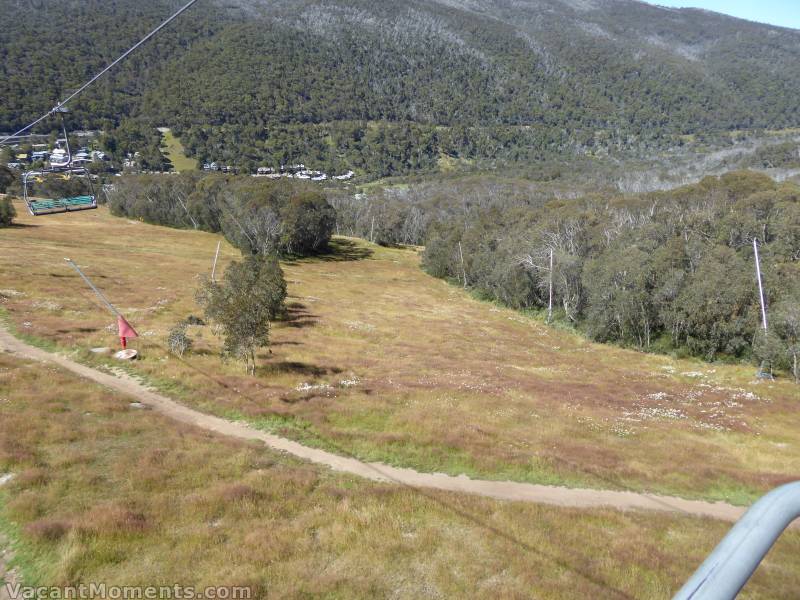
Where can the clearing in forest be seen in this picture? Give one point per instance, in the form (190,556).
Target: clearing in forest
(174,152)
(378,360)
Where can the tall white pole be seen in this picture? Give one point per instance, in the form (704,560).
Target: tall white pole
(760,286)
(550,301)
(214,267)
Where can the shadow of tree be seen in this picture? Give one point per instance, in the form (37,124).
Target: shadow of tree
(298,316)
(78,330)
(300,368)
(345,250)
(339,250)
(22,226)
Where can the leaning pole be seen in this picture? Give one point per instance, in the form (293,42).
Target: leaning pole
(125,329)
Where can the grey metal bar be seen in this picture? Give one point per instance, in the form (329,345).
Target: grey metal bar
(94,289)
(728,568)
(61,112)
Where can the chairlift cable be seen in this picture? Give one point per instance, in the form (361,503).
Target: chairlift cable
(124,55)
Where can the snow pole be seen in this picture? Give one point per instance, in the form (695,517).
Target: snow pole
(760,286)
(214,266)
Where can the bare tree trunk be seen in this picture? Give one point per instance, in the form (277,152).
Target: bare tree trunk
(463,270)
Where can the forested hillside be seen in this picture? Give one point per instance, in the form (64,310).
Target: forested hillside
(389,88)
(666,270)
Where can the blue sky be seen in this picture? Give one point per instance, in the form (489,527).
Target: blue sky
(785,13)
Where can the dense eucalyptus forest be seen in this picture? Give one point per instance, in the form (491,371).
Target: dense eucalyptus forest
(389,88)
(669,271)
(282,218)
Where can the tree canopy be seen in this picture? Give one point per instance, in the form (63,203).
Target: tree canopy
(389,88)
(667,270)
(251,295)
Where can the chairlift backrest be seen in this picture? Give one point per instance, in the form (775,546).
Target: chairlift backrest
(67,203)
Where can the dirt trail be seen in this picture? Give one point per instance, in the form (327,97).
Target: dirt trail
(8,576)
(503,490)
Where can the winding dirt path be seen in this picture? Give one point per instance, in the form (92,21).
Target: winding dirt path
(503,490)
(8,576)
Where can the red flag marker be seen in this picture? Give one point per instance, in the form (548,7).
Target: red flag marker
(125,331)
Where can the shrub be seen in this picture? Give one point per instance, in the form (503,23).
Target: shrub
(177,340)
(6,178)
(7,212)
(194,320)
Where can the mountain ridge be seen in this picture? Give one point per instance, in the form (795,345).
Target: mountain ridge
(390,88)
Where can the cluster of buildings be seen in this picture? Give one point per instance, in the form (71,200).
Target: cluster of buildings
(55,157)
(213,166)
(299,171)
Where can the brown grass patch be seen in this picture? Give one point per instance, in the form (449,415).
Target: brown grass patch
(238,492)
(32,478)
(220,512)
(113,519)
(47,529)
(379,360)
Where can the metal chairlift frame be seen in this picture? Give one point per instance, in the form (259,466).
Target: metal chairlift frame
(59,205)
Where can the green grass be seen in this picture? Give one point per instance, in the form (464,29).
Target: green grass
(444,382)
(105,493)
(174,152)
